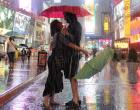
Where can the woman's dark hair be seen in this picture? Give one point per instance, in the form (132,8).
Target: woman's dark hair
(70,17)
(11,38)
(55,27)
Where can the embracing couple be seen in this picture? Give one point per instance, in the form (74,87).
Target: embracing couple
(65,57)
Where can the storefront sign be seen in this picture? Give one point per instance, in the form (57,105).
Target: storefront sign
(135,38)
(21,23)
(121,44)
(127,17)
(104,42)
(106,24)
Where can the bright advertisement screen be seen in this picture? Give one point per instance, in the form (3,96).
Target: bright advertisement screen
(89,20)
(6,18)
(119,10)
(21,23)
(119,20)
(26,5)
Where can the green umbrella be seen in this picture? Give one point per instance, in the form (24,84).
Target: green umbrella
(96,64)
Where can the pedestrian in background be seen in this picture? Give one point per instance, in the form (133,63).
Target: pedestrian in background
(23,55)
(94,51)
(29,54)
(11,48)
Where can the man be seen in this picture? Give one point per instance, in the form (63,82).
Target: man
(73,33)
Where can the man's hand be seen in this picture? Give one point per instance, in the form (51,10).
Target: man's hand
(86,53)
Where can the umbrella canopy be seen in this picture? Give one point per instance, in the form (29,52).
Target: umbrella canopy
(13,33)
(96,64)
(57,11)
(23,45)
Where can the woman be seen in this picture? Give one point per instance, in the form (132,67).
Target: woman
(54,83)
(10,50)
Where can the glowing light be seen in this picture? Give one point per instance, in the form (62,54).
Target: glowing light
(106,24)
(25,5)
(57,1)
(121,44)
(135,38)
(127,17)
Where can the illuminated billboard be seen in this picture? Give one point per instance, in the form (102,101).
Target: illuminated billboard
(21,23)
(6,18)
(127,17)
(119,20)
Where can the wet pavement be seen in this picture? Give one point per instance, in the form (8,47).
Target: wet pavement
(116,87)
(21,73)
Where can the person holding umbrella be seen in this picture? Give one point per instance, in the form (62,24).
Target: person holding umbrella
(54,83)
(73,33)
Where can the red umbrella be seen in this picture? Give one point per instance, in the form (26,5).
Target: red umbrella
(57,11)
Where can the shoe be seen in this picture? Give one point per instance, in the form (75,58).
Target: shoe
(79,102)
(72,104)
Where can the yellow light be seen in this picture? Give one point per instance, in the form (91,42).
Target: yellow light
(135,38)
(106,24)
(121,44)
(127,17)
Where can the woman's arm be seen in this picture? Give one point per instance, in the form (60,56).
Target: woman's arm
(71,45)
(65,41)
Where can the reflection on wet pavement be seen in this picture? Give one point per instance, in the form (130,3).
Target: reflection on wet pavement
(111,89)
(10,79)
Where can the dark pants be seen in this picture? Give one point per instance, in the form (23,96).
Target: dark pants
(11,56)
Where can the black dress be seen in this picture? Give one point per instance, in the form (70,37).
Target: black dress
(54,83)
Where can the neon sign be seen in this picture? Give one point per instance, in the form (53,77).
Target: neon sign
(127,17)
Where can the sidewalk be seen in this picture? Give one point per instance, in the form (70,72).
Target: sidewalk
(13,82)
(107,90)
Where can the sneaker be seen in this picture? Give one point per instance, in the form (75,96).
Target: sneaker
(72,104)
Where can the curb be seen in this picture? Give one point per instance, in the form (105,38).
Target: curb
(10,94)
